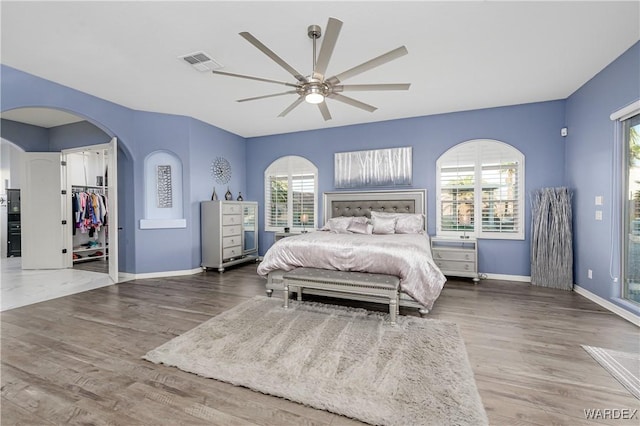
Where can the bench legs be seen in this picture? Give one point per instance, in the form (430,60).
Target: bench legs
(394,302)
(286,296)
(393,309)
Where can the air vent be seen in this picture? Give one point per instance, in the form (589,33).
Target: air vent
(201,61)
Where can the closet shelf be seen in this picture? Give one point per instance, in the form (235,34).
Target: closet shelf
(84,259)
(83,249)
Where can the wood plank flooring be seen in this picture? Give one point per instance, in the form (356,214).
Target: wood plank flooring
(77,359)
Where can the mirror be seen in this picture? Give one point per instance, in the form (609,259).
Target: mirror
(249,226)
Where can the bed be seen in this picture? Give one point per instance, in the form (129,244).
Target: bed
(350,244)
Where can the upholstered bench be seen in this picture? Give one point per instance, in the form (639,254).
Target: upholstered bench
(346,282)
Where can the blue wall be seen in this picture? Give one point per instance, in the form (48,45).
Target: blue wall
(139,134)
(591,171)
(28,137)
(534,129)
(71,135)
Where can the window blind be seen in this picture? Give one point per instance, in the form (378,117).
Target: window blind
(290,194)
(480,189)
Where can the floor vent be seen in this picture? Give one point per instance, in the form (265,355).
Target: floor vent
(201,61)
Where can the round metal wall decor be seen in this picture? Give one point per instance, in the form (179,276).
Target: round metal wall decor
(221,170)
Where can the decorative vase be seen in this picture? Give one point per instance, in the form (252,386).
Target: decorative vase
(240,197)
(228,196)
(214,196)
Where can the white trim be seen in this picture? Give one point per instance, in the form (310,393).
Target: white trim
(163,274)
(162,223)
(502,277)
(626,112)
(629,316)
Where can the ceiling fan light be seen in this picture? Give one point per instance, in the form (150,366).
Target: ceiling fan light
(314,98)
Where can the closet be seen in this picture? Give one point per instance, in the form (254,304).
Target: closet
(87,174)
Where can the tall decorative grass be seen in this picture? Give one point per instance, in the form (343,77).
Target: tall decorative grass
(551,238)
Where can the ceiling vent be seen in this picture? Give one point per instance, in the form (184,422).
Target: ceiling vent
(201,61)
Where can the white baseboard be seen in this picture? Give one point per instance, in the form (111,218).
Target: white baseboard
(502,277)
(629,316)
(163,274)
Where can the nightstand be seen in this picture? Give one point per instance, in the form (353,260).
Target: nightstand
(456,256)
(281,235)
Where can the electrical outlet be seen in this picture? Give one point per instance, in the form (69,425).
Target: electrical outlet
(598,200)
(590,274)
(598,214)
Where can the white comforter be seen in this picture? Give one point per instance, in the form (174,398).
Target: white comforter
(407,256)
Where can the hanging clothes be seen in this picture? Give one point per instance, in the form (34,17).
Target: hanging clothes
(89,211)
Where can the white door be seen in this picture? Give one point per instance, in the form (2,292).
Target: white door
(109,153)
(42,206)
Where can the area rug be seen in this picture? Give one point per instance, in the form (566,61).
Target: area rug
(344,360)
(624,366)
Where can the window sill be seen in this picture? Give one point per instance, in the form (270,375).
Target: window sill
(162,223)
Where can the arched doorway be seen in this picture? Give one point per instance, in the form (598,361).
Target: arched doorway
(47,130)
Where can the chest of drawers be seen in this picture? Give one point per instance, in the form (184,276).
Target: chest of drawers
(224,228)
(456,257)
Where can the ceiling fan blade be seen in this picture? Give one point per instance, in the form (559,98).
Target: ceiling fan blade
(292,106)
(370,64)
(370,87)
(264,49)
(352,102)
(248,77)
(266,96)
(326,50)
(324,110)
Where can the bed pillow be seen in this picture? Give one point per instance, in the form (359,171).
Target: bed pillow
(407,223)
(337,224)
(359,227)
(360,219)
(341,224)
(384,225)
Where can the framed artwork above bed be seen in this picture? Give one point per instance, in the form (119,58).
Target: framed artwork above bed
(377,167)
(362,203)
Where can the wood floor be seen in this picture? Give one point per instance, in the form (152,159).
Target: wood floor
(76,359)
(97,265)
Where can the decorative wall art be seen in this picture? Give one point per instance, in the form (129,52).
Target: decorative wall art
(221,170)
(378,167)
(163,188)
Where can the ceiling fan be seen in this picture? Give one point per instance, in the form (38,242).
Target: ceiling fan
(315,88)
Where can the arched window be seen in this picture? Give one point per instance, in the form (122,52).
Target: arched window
(480,191)
(291,194)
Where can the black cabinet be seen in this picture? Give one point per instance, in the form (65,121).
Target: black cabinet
(14,228)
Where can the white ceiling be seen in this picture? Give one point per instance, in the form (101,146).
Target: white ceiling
(462,55)
(42,117)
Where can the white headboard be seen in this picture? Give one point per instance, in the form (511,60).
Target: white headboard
(362,203)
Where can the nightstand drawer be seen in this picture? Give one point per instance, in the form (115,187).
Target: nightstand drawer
(453,266)
(441,254)
(456,257)
(231,219)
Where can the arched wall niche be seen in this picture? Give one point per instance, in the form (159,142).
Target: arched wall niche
(163,196)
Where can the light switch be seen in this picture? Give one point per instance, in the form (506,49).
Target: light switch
(598,200)
(598,214)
